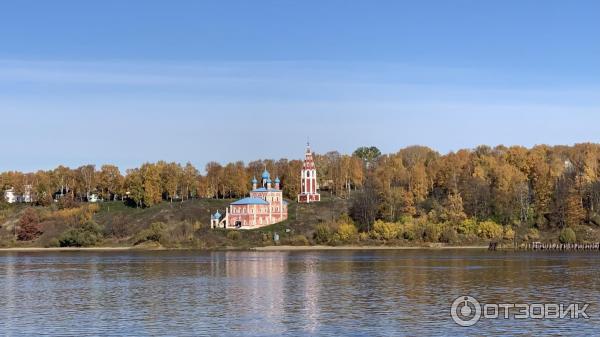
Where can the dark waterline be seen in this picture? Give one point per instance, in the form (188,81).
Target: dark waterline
(350,293)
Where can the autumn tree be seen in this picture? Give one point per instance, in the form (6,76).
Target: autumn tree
(367,154)
(29,225)
(110,182)
(150,174)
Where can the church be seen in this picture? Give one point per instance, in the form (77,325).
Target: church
(264,206)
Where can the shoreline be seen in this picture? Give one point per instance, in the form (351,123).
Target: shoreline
(67,249)
(309,248)
(263,249)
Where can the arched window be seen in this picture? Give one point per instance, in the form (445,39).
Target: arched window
(308,174)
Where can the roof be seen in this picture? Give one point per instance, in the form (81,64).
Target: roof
(217,215)
(266,174)
(250,201)
(263,189)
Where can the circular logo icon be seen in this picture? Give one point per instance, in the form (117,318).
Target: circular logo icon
(466,311)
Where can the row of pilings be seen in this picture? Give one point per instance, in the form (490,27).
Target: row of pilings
(549,246)
(562,246)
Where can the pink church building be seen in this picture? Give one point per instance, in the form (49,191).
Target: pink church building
(264,206)
(308,179)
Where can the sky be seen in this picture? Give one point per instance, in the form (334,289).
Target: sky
(126,82)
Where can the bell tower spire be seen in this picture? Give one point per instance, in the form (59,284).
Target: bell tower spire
(308,179)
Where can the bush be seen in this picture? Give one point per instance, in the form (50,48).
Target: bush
(363,236)
(299,240)
(88,234)
(489,230)
(567,235)
(266,237)
(409,233)
(323,234)
(67,201)
(532,234)
(385,230)
(449,235)
(347,232)
(509,234)
(234,235)
(29,225)
(154,233)
(468,226)
(431,233)
(54,243)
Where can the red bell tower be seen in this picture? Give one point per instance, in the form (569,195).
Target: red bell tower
(308,179)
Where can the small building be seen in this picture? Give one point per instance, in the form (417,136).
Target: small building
(308,179)
(264,206)
(11,196)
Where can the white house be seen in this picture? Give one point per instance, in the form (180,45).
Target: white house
(11,197)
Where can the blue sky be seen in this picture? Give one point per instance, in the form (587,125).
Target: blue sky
(127,82)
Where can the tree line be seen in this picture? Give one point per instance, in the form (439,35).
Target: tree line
(545,186)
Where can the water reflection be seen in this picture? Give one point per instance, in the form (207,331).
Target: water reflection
(386,293)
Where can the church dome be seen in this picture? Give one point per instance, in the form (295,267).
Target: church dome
(254,181)
(217,215)
(266,174)
(277,181)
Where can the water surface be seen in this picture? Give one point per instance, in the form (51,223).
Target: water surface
(349,293)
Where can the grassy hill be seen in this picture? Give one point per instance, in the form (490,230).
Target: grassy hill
(184,224)
(187,225)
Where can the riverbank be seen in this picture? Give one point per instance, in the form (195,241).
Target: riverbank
(306,248)
(265,249)
(66,249)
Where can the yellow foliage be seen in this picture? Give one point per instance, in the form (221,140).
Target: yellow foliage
(509,234)
(467,226)
(385,230)
(489,230)
(79,215)
(347,231)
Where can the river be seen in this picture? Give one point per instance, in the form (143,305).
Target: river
(300,293)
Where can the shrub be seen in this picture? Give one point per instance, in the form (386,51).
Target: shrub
(67,201)
(299,240)
(363,236)
(509,234)
(409,232)
(449,235)
(468,226)
(323,234)
(29,225)
(385,230)
(489,230)
(87,234)
(567,235)
(432,233)
(532,234)
(154,233)
(54,243)
(234,235)
(347,232)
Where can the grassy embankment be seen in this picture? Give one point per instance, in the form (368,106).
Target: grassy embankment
(186,225)
(183,225)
